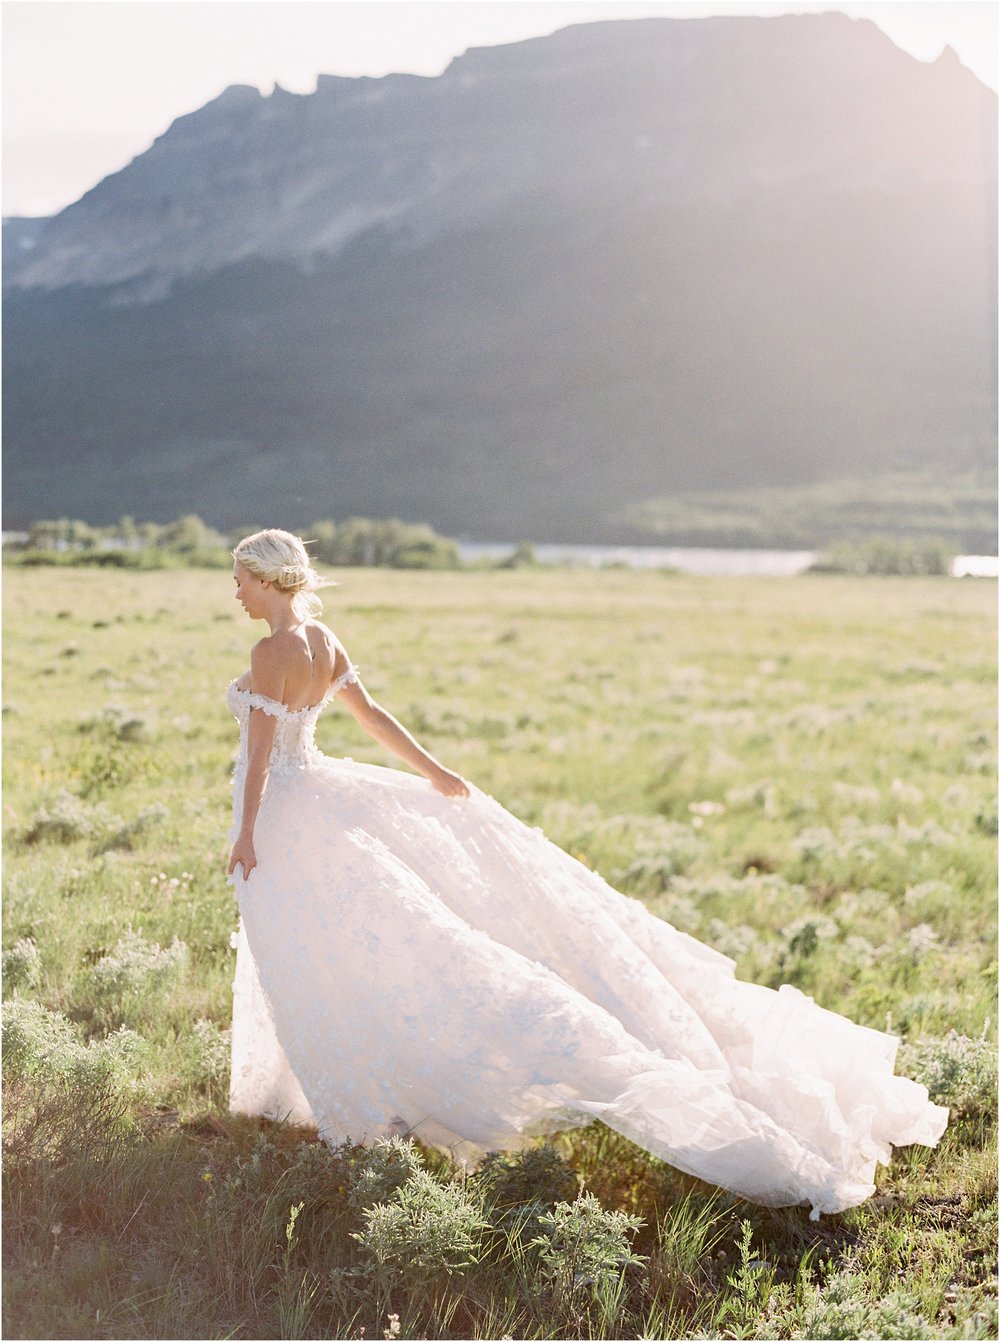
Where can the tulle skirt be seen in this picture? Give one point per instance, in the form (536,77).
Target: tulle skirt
(410,962)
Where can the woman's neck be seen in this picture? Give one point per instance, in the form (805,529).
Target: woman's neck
(282,618)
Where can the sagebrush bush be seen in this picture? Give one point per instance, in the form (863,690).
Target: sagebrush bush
(66,818)
(958,1071)
(517,1189)
(582,1244)
(60,1095)
(36,1039)
(425,1229)
(383,1169)
(22,967)
(211,1047)
(116,723)
(131,979)
(334,1183)
(642,851)
(842,1308)
(46,1045)
(859,853)
(125,835)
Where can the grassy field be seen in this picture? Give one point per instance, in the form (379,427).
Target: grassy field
(800,772)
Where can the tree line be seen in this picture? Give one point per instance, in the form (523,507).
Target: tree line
(363,542)
(190,542)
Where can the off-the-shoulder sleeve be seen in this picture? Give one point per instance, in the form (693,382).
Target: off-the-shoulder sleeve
(270,706)
(348,677)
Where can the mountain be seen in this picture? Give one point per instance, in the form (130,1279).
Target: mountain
(632,259)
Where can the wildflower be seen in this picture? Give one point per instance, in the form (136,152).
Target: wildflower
(393,1330)
(207,1176)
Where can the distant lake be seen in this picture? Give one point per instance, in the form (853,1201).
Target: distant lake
(704,562)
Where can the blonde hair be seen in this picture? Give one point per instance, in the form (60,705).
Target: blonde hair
(282,559)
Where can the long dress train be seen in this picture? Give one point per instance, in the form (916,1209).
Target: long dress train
(407,960)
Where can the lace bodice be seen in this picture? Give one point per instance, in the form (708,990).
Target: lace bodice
(294,747)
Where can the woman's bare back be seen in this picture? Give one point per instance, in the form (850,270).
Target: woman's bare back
(310,656)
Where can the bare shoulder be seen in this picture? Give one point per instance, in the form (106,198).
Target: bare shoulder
(270,651)
(321,635)
(268,667)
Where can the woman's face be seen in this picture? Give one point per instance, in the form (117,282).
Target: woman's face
(249,590)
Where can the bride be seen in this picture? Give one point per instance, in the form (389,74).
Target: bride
(413,959)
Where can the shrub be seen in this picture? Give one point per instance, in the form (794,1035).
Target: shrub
(61,1096)
(537,1176)
(43,1044)
(584,1245)
(129,980)
(523,555)
(211,1047)
(22,966)
(67,819)
(841,1309)
(36,1040)
(425,1229)
(382,1170)
(957,1071)
(125,835)
(886,555)
(986,818)
(387,542)
(518,1189)
(117,724)
(805,934)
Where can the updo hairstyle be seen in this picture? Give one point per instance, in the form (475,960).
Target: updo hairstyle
(282,559)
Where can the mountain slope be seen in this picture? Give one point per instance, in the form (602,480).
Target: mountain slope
(567,275)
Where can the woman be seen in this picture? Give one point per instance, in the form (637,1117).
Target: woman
(412,958)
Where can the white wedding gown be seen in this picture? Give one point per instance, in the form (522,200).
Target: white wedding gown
(407,961)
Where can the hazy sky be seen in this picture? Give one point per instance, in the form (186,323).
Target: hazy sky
(88,85)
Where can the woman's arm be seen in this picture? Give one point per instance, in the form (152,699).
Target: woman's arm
(385,729)
(268,679)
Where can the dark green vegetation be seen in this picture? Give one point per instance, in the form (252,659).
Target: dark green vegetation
(568,275)
(381,543)
(957,512)
(887,557)
(189,543)
(800,772)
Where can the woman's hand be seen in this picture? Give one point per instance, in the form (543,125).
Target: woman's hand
(242,855)
(447,783)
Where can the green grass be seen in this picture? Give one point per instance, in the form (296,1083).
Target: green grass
(798,771)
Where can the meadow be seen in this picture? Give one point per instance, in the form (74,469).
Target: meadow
(800,772)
